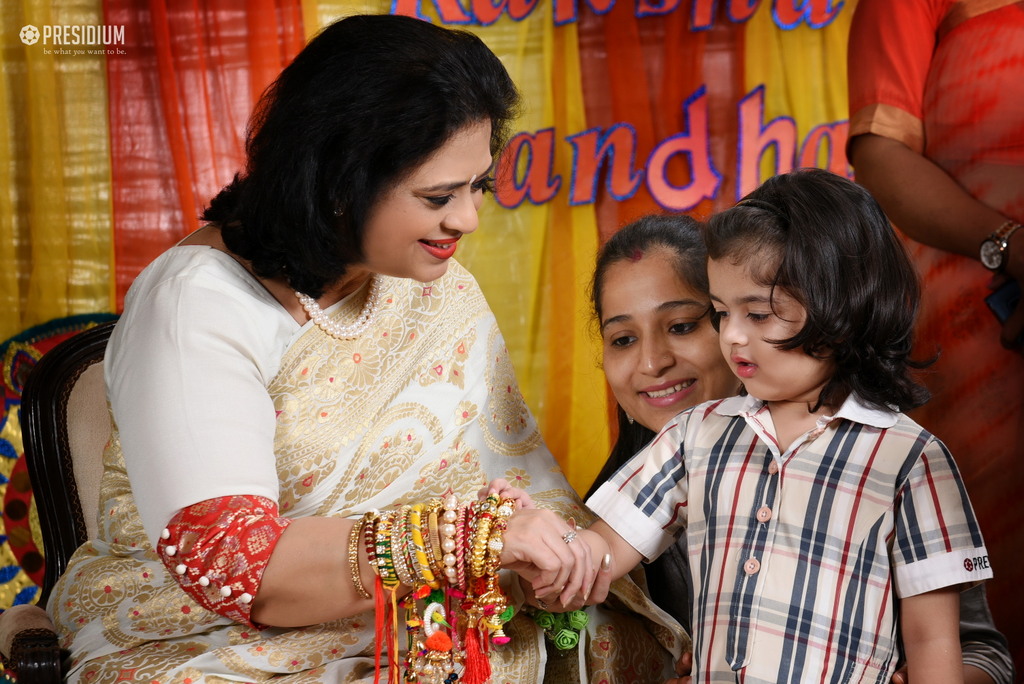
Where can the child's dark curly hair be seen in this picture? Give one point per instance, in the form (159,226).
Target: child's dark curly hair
(837,254)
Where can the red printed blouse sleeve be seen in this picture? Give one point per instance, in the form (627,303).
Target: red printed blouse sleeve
(218,549)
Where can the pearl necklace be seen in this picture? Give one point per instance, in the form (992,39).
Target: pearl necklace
(335,329)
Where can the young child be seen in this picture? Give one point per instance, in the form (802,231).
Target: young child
(818,516)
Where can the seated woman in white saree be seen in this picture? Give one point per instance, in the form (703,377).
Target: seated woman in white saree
(313,356)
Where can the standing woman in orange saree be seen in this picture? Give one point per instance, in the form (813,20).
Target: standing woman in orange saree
(937,135)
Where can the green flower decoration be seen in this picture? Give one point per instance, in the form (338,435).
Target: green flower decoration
(544,619)
(578,619)
(566,639)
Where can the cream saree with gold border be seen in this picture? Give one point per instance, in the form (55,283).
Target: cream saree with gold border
(423,404)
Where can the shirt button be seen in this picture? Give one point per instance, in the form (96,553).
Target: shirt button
(764,514)
(751,566)
(773,467)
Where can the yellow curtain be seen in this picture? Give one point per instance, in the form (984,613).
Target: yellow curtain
(56,256)
(804,71)
(534,262)
(575,416)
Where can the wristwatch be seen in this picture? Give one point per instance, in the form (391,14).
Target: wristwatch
(996,245)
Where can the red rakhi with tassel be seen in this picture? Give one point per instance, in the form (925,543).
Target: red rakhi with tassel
(478,665)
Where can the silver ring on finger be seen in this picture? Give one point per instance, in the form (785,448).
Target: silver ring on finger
(569,536)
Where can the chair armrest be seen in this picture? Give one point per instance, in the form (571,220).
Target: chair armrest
(28,645)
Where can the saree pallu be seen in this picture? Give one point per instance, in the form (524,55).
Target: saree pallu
(424,404)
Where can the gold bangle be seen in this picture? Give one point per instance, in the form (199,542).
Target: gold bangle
(385,565)
(433,541)
(419,551)
(400,547)
(481,533)
(496,541)
(354,537)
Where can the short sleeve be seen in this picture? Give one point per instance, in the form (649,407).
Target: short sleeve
(645,500)
(187,371)
(889,56)
(937,540)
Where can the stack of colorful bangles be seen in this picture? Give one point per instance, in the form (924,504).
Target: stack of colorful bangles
(449,553)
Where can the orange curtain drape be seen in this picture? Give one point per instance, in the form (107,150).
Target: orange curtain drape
(179,104)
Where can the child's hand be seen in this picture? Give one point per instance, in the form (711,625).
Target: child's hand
(683,667)
(929,625)
(504,490)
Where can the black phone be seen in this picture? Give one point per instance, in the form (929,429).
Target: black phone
(1004,300)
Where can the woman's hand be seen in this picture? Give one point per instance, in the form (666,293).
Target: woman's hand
(549,553)
(502,489)
(610,554)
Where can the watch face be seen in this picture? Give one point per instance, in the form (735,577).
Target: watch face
(991,255)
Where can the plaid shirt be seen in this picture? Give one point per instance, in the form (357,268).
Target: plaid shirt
(797,555)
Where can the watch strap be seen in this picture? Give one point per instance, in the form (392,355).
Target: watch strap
(1005,231)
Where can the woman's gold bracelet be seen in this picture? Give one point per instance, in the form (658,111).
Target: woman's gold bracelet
(354,537)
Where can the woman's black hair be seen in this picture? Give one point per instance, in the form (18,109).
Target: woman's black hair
(678,235)
(369,99)
(830,246)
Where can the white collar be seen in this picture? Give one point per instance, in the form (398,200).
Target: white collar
(852,409)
